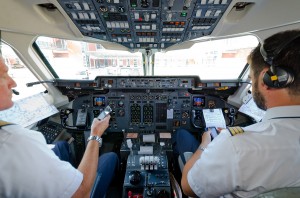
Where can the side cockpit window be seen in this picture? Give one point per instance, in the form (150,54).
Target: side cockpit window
(18,70)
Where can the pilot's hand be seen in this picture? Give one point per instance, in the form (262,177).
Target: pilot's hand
(206,138)
(219,129)
(99,126)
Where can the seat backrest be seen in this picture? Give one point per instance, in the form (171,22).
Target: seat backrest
(289,192)
(181,162)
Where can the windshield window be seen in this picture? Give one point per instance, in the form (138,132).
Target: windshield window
(218,59)
(82,60)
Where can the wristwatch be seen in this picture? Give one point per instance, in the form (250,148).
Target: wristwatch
(201,148)
(97,138)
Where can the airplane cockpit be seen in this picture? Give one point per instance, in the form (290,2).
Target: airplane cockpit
(154,66)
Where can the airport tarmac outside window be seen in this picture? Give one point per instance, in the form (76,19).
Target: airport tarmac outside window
(222,59)
(83,60)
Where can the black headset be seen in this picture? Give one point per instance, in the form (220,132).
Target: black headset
(277,76)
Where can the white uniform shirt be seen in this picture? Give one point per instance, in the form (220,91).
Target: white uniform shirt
(28,168)
(265,157)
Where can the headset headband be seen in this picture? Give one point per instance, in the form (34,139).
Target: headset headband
(270,55)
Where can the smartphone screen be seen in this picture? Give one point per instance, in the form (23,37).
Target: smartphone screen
(213,132)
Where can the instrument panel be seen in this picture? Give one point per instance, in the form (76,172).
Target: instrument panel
(144,104)
(145,24)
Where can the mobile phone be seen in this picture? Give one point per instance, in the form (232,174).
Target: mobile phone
(104,113)
(213,132)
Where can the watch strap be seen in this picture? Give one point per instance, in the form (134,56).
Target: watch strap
(201,148)
(95,137)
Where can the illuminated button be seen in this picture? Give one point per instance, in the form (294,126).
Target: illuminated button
(169,16)
(77,6)
(74,15)
(217,13)
(153,16)
(208,12)
(80,16)
(146,16)
(183,14)
(198,13)
(113,9)
(86,16)
(86,6)
(93,16)
(136,15)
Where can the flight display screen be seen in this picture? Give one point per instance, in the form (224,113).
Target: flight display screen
(198,101)
(99,101)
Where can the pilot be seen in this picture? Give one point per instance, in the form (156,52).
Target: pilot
(244,162)
(30,169)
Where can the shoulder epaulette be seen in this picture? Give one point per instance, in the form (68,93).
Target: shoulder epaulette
(235,130)
(3,123)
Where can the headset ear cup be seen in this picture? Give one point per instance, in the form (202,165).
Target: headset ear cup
(267,79)
(285,76)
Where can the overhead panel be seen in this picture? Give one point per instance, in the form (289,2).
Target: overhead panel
(145,24)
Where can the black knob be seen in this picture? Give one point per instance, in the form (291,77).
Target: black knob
(163,194)
(135,177)
(149,192)
(144,3)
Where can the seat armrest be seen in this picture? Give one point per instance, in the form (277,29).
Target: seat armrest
(187,156)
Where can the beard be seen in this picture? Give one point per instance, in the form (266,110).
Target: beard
(258,98)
